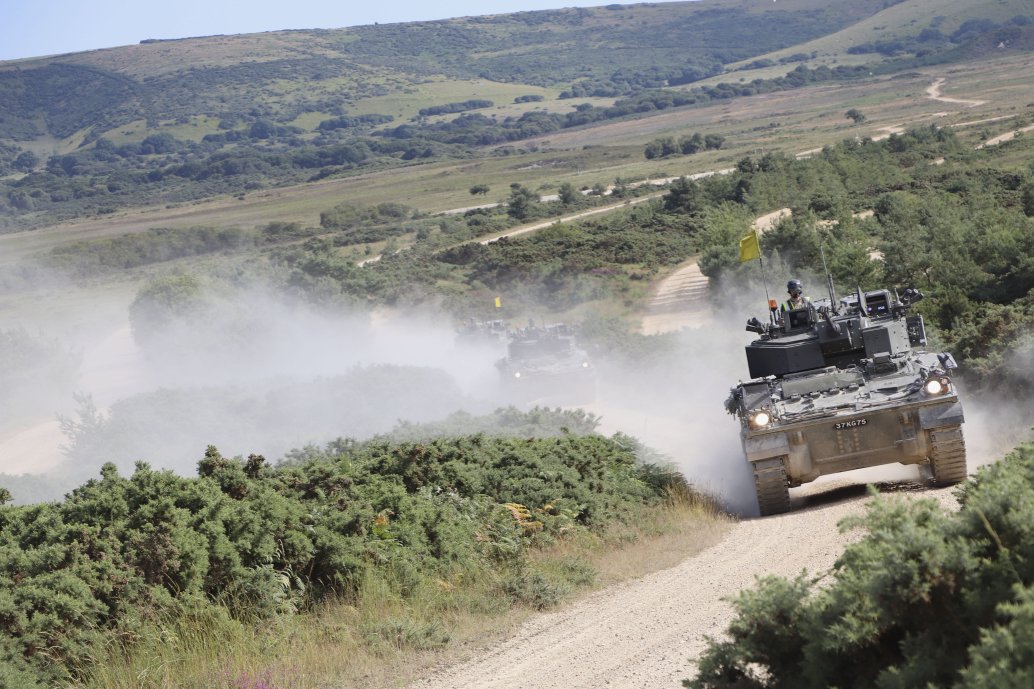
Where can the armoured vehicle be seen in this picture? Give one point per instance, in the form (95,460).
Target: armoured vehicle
(475,332)
(545,363)
(842,385)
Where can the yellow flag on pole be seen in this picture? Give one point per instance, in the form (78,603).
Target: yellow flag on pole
(749,247)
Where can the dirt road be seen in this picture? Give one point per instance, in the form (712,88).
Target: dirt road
(679,302)
(645,634)
(681,299)
(933,92)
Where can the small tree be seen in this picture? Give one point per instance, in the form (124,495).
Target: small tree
(567,193)
(26,161)
(713,141)
(668,146)
(686,196)
(519,205)
(856,115)
(162,302)
(691,144)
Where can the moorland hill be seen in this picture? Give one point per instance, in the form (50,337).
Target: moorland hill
(171,121)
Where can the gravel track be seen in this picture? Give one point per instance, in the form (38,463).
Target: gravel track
(645,634)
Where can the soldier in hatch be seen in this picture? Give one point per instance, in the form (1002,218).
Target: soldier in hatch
(797,300)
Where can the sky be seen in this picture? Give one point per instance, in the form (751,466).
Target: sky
(33,28)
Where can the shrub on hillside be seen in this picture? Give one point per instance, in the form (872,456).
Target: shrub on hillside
(928,598)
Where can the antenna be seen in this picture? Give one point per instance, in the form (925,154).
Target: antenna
(829,280)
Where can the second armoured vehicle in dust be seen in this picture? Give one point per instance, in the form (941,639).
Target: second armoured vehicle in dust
(844,385)
(544,363)
(475,332)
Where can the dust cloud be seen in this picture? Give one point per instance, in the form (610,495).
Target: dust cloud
(675,405)
(252,374)
(256,373)
(259,374)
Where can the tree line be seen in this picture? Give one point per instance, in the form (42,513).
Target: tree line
(684,145)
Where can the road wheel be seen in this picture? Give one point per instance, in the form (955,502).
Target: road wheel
(771,486)
(947,455)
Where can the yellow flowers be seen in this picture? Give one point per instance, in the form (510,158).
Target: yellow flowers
(522,515)
(519,512)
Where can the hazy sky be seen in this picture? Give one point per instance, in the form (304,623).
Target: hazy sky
(31,28)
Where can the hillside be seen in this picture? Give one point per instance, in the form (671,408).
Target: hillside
(229,77)
(172,122)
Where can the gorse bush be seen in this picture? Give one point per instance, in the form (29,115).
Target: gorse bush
(927,599)
(261,541)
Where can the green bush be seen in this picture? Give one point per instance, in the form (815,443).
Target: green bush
(261,541)
(927,598)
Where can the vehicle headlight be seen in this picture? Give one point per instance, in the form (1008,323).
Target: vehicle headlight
(585,364)
(516,374)
(936,386)
(760,419)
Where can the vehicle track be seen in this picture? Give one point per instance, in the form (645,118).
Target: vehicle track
(680,301)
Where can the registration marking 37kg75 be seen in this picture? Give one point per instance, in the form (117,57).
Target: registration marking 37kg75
(854,423)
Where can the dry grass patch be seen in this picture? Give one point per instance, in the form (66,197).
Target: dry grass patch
(662,538)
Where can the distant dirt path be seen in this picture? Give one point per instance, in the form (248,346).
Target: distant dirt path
(33,449)
(1008,136)
(933,91)
(681,299)
(644,634)
(679,302)
(523,229)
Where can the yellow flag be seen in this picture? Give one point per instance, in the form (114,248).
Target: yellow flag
(499,302)
(749,248)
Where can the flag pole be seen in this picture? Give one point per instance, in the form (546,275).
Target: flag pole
(750,248)
(764,279)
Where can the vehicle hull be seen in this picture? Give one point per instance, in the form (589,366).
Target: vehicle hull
(563,386)
(844,442)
